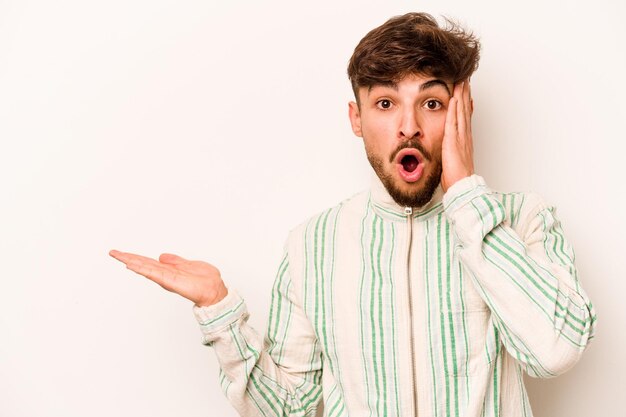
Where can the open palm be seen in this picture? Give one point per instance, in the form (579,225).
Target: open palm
(197,281)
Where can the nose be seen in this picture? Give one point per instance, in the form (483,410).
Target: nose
(409,125)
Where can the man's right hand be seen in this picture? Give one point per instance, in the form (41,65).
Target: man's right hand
(197,281)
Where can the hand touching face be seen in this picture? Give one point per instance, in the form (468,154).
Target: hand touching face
(457,151)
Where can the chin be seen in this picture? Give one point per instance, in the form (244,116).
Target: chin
(415,194)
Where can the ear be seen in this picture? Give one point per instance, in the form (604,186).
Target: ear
(355,118)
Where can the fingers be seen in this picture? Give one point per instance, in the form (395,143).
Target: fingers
(462,92)
(161,273)
(457,148)
(451,119)
(125,257)
(468,104)
(464,108)
(469,109)
(151,271)
(460,110)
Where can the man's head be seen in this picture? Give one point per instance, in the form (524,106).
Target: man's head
(403,74)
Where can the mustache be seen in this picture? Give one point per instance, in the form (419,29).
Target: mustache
(413,144)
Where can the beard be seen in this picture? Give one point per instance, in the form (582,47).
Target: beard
(413,198)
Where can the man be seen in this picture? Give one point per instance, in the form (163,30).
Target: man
(427,295)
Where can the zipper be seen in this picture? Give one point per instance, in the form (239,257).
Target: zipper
(409,216)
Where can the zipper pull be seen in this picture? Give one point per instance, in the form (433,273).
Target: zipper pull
(408,211)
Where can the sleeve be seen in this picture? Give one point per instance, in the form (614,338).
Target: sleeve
(276,376)
(525,276)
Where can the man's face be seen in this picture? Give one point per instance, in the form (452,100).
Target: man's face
(402,127)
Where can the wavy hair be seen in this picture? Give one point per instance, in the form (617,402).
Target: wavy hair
(413,43)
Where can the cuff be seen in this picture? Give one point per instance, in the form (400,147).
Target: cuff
(218,316)
(472,209)
(463,191)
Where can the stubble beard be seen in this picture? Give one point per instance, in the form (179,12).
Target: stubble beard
(414,198)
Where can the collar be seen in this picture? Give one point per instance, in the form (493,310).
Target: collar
(386,207)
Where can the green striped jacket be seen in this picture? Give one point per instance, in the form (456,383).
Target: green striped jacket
(380,310)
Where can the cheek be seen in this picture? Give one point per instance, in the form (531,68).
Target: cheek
(435,122)
(375,126)
(436,152)
(435,127)
(371,146)
(377,136)
(378,122)
(434,137)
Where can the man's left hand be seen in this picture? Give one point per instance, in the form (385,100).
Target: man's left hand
(457,151)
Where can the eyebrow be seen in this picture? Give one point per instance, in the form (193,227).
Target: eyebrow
(434,83)
(427,85)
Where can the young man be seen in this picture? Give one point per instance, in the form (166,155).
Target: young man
(427,295)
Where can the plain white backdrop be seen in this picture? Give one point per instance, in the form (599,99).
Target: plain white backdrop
(210,129)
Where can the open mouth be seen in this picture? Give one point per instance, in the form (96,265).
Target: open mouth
(410,164)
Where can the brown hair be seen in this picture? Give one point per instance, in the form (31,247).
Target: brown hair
(413,44)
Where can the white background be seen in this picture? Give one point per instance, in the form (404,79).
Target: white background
(211,128)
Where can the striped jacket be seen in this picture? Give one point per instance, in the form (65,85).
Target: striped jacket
(380,310)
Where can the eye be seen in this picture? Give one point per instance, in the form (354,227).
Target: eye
(433,104)
(383,104)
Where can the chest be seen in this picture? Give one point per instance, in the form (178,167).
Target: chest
(372,276)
